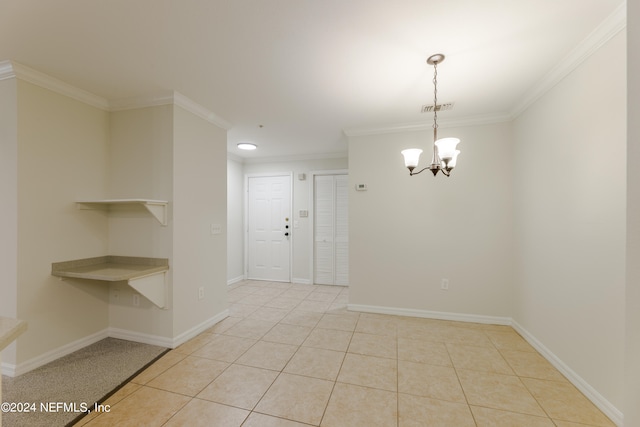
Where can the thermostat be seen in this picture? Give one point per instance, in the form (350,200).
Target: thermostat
(361,187)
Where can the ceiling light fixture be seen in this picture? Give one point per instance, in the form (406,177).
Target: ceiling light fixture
(444,149)
(247,146)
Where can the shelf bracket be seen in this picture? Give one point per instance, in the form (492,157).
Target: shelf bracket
(157,208)
(153,287)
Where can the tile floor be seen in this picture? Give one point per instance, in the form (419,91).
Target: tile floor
(293,356)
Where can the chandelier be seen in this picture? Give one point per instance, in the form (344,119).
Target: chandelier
(444,149)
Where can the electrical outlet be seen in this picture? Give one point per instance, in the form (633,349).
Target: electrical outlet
(201,292)
(136,300)
(444,285)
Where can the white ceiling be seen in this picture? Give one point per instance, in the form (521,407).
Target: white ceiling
(304,69)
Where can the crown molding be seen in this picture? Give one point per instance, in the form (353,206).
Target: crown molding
(200,111)
(154,100)
(479,120)
(296,158)
(10,69)
(234,157)
(167,98)
(612,25)
(6,70)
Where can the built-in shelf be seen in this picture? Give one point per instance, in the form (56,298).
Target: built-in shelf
(145,275)
(157,208)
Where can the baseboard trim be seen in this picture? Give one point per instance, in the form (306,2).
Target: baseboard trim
(33,363)
(301,281)
(127,335)
(596,398)
(198,329)
(427,314)
(8,369)
(12,370)
(235,280)
(592,394)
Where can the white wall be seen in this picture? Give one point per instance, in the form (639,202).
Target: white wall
(62,157)
(9,205)
(632,360)
(407,233)
(235,221)
(200,194)
(570,220)
(301,236)
(141,166)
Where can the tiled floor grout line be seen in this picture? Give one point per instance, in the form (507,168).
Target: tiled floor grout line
(464,393)
(336,379)
(253,409)
(284,367)
(272,382)
(520,379)
(269,294)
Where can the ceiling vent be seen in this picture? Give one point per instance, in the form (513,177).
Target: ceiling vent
(439,107)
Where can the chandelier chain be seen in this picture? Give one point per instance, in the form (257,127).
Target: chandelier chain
(435,100)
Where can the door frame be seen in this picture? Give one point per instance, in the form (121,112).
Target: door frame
(312,209)
(247,176)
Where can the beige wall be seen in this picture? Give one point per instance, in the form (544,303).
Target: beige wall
(141,166)
(235,221)
(9,205)
(168,153)
(200,194)
(407,233)
(570,220)
(632,361)
(531,225)
(55,151)
(62,157)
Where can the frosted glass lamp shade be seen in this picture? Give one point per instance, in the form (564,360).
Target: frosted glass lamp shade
(447,147)
(450,162)
(411,157)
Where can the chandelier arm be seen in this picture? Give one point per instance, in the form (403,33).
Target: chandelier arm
(411,173)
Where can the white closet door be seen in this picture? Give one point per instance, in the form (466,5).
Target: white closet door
(324,230)
(331,234)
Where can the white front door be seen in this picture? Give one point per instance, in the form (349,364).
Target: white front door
(269,228)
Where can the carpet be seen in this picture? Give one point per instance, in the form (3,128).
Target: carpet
(57,394)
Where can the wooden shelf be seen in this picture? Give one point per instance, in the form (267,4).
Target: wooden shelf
(157,208)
